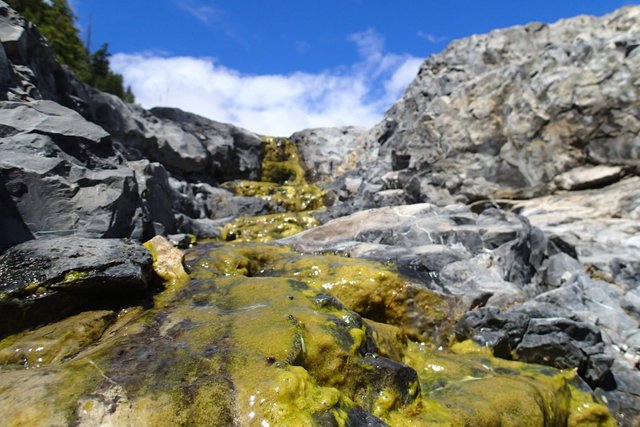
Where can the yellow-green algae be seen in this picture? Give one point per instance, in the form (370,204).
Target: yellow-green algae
(372,289)
(293,198)
(282,162)
(74,276)
(283,183)
(55,342)
(265,228)
(463,385)
(251,340)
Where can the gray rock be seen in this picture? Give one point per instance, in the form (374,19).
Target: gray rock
(47,280)
(12,227)
(329,152)
(559,342)
(234,153)
(599,223)
(588,177)
(389,198)
(561,269)
(505,113)
(554,341)
(155,193)
(361,418)
(202,228)
(69,188)
(489,327)
(49,118)
(631,303)
(36,74)
(176,148)
(626,271)
(6,74)
(13,35)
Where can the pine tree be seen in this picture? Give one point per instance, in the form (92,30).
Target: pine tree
(103,78)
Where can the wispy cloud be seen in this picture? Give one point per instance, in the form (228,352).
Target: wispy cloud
(275,104)
(205,13)
(432,38)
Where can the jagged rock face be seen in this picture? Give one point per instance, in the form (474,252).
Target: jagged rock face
(502,114)
(122,171)
(186,144)
(62,177)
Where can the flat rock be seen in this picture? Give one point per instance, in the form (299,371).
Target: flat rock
(588,177)
(47,117)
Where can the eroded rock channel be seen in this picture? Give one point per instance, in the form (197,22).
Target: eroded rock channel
(267,335)
(472,260)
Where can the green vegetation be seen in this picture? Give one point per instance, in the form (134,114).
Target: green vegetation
(56,21)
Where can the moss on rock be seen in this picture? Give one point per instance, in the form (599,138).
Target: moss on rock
(262,335)
(266,228)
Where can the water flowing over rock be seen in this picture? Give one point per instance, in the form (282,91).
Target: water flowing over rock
(473,259)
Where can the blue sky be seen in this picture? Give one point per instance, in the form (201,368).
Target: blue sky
(282,65)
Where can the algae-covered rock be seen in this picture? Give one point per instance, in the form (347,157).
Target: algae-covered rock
(283,184)
(167,260)
(47,280)
(369,288)
(258,337)
(293,198)
(55,342)
(266,228)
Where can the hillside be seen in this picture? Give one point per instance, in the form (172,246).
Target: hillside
(473,259)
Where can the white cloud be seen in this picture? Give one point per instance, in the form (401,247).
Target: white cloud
(277,104)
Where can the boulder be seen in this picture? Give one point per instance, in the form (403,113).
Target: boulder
(329,152)
(62,186)
(47,280)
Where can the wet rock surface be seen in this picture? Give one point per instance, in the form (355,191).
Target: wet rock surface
(527,295)
(474,259)
(46,280)
(260,335)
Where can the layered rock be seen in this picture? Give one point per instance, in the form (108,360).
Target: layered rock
(123,172)
(544,112)
(505,113)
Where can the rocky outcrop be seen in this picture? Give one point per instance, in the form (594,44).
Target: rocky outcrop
(432,312)
(63,177)
(122,171)
(505,113)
